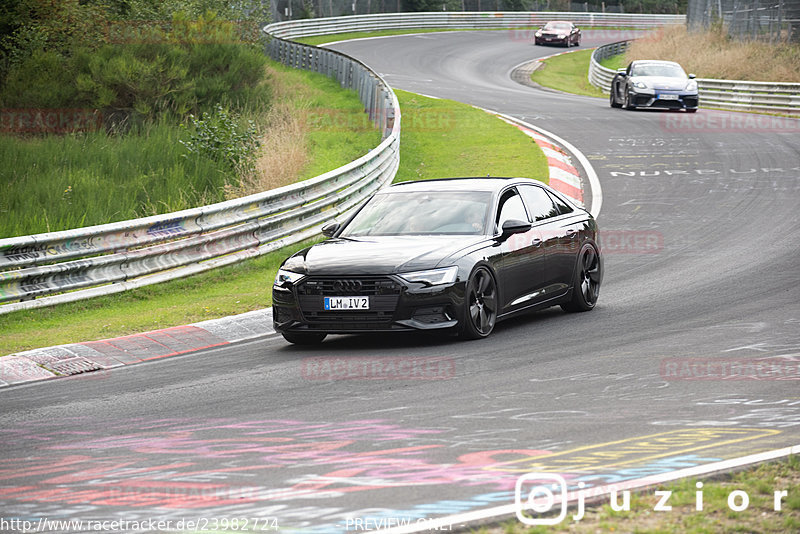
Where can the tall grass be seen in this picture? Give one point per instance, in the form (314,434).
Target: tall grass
(713,55)
(60,182)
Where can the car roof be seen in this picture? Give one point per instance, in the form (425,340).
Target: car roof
(486,183)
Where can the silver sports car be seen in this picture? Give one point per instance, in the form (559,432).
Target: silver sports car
(654,84)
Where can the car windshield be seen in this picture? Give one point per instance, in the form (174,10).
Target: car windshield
(563,26)
(653,69)
(422,213)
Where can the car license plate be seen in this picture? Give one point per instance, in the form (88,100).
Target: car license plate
(668,97)
(346,303)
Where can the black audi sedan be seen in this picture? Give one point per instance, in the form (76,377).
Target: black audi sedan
(455,254)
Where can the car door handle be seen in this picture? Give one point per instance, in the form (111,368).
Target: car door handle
(572,233)
(535,242)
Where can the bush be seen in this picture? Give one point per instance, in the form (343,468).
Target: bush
(177,66)
(221,137)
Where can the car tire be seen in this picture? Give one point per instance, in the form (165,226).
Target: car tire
(612,99)
(304,338)
(626,100)
(480,305)
(586,281)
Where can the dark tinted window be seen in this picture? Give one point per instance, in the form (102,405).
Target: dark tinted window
(562,206)
(422,213)
(540,204)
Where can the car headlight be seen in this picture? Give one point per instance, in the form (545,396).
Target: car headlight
(538,33)
(434,277)
(287,277)
(640,85)
(691,86)
(562,35)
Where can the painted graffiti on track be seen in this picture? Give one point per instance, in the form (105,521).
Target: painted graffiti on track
(299,472)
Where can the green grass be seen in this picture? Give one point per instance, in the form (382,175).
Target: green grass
(444,138)
(440,138)
(568,72)
(615,62)
(340,130)
(758,482)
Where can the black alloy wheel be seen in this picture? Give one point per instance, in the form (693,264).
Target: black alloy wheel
(481,303)
(586,284)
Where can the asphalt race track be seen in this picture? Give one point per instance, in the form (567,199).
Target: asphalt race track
(700,227)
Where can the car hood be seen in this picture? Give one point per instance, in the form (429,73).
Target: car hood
(378,255)
(662,82)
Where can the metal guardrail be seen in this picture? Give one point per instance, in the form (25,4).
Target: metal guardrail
(601,76)
(46,269)
(734,95)
(111,258)
(464,21)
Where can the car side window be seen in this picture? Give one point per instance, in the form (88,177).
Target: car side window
(540,204)
(562,206)
(510,207)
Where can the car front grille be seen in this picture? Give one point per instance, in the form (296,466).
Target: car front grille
(668,104)
(349,321)
(344,286)
(383,293)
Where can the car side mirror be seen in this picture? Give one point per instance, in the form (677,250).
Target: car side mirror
(692,76)
(329,229)
(623,72)
(513,226)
